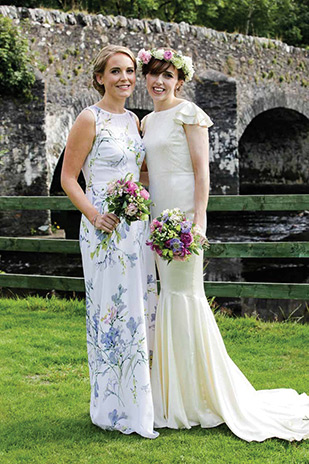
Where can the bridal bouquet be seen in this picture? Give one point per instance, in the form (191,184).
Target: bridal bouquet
(173,236)
(128,200)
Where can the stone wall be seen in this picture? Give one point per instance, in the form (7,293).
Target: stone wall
(237,78)
(25,169)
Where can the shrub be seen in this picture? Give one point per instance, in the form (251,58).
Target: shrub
(16,75)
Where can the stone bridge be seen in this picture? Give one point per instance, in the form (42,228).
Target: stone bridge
(254,89)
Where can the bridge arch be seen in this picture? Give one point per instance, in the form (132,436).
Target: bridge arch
(273,153)
(265,100)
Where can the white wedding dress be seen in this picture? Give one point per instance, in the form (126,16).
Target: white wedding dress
(194,381)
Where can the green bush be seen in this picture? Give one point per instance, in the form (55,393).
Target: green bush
(16,75)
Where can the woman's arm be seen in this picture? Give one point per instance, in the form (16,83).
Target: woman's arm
(79,144)
(197,138)
(144,176)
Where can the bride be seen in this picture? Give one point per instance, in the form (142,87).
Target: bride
(194,381)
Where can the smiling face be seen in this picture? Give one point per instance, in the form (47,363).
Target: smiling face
(119,76)
(162,86)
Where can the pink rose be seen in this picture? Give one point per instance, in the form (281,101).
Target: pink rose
(144,194)
(144,55)
(131,187)
(168,55)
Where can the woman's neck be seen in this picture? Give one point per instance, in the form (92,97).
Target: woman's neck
(166,105)
(112,105)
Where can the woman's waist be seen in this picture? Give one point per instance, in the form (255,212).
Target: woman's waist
(103,183)
(173,173)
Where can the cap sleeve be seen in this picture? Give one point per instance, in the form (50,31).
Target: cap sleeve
(192,114)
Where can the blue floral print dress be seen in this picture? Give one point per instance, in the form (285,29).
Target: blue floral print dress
(120,287)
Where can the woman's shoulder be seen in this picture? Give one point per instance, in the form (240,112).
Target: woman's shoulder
(86,117)
(145,120)
(189,113)
(134,118)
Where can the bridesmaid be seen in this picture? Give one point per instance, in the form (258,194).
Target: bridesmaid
(119,278)
(194,381)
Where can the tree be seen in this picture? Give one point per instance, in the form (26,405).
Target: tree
(285,19)
(16,75)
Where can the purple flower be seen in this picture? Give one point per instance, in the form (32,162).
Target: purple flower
(176,245)
(110,338)
(132,326)
(113,358)
(168,55)
(186,227)
(155,248)
(158,250)
(186,239)
(114,418)
(155,225)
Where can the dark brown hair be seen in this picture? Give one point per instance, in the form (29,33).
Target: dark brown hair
(101,60)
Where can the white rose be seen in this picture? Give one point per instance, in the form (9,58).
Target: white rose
(158,54)
(188,61)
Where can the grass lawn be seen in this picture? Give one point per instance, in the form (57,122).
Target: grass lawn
(44,392)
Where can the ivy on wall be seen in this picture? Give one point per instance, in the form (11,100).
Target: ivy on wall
(16,74)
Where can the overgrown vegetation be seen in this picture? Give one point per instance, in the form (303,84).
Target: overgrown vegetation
(284,19)
(16,75)
(44,392)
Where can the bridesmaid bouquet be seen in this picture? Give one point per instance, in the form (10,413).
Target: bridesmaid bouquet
(128,200)
(173,236)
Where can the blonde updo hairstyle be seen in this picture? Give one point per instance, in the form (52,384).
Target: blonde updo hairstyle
(101,60)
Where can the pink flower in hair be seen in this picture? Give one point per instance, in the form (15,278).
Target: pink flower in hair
(144,55)
(168,55)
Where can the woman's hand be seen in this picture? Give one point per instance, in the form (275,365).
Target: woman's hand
(200,233)
(106,222)
(144,177)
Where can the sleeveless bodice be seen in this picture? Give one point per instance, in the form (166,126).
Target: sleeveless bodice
(116,151)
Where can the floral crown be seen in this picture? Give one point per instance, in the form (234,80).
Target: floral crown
(175,58)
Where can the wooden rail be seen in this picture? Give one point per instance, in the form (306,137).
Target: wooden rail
(230,289)
(216,203)
(217,250)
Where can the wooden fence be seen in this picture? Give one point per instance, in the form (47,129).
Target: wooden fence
(217,250)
